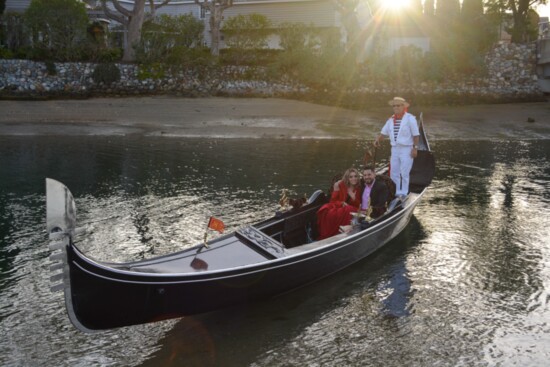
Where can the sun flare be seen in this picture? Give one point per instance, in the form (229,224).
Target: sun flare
(396,4)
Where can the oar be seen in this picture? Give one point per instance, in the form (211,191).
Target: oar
(374,159)
(368,156)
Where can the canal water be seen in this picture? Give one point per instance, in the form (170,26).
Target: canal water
(467,282)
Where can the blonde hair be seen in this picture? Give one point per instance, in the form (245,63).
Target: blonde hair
(348,172)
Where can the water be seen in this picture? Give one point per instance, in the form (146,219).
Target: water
(467,282)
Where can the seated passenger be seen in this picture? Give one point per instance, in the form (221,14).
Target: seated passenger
(375,193)
(344,200)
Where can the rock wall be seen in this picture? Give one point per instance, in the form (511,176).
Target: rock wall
(512,68)
(511,74)
(30,78)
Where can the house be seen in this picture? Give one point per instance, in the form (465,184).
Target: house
(322,14)
(16,6)
(318,13)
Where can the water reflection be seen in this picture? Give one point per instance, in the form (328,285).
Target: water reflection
(466,283)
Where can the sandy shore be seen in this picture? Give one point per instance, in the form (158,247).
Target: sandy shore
(259,117)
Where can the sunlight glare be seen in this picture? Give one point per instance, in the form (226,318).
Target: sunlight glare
(396,4)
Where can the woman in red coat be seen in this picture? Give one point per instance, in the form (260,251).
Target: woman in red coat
(345,199)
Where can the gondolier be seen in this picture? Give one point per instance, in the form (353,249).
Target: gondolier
(402,130)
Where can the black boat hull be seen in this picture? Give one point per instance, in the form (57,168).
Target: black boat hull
(104,298)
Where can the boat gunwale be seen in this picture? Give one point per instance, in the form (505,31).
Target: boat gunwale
(243,269)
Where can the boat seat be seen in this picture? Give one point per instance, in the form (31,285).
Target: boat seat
(295,231)
(261,242)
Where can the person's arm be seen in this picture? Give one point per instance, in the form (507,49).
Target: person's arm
(384,133)
(337,195)
(414,151)
(378,140)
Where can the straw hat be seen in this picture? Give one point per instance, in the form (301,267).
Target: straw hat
(398,100)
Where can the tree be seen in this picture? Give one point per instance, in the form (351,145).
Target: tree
(447,10)
(521,10)
(429,8)
(132,20)
(348,16)
(216,9)
(58,27)
(471,9)
(476,32)
(2,7)
(416,7)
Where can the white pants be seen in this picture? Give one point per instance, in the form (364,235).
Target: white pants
(401,164)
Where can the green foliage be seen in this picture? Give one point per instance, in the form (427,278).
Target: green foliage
(321,62)
(99,48)
(403,66)
(50,67)
(297,36)
(447,9)
(58,26)
(151,71)
(5,53)
(523,21)
(170,39)
(258,57)
(13,31)
(106,74)
(246,32)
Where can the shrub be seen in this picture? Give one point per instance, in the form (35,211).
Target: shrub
(166,37)
(322,63)
(50,67)
(5,53)
(106,74)
(151,71)
(245,32)
(58,26)
(295,36)
(13,28)
(260,57)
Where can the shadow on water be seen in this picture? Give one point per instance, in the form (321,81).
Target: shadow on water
(244,334)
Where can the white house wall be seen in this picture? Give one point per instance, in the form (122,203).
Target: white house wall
(18,6)
(319,13)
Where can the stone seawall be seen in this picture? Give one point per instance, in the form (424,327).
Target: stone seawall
(511,74)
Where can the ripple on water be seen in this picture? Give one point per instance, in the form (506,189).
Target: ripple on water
(467,283)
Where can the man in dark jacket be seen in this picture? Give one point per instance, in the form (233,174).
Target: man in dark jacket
(375,193)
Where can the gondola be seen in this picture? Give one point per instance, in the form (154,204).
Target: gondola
(256,262)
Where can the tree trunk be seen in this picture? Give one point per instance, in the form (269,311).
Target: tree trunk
(215,22)
(520,28)
(134,30)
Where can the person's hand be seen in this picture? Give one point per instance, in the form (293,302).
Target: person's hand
(414,152)
(376,143)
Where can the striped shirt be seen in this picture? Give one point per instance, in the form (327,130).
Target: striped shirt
(396,126)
